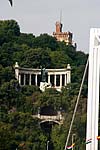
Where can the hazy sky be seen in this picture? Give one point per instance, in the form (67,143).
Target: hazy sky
(39,16)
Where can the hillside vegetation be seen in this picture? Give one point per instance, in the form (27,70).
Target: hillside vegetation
(17,104)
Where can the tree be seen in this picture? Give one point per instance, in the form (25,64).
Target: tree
(6,137)
(45,41)
(35,58)
(8,29)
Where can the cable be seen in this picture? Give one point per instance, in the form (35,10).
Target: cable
(78,97)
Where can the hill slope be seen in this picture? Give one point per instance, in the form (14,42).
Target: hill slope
(17,104)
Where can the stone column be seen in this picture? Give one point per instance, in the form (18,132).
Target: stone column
(65,79)
(24,79)
(68,77)
(29,79)
(68,74)
(49,79)
(60,80)
(16,71)
(36,79)
(20,79)
(55,80)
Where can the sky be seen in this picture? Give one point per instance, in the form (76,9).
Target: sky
(39,16)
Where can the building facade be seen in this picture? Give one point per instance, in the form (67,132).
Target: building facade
(57,78)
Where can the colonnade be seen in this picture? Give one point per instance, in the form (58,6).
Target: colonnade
(56,77)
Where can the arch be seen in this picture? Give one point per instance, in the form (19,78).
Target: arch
(53,121)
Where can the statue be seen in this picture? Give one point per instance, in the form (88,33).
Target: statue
(43,83)
(43,74)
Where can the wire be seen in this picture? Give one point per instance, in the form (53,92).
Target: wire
(78,97)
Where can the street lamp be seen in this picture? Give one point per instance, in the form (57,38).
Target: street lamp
(47,145)
(73,135)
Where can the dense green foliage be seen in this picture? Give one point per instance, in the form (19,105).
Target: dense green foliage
(18,129)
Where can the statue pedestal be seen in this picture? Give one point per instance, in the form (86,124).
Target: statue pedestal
(44,85)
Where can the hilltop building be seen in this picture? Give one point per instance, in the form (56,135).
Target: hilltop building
(62,36)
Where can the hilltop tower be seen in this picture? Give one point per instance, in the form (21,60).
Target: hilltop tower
(62,36)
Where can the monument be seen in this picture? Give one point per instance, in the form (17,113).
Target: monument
(57,78)
(43,83)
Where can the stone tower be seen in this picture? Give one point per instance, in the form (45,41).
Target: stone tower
(58,27)
(62,36)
